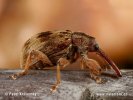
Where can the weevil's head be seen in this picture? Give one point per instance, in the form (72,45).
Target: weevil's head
(88,43)
(94,47)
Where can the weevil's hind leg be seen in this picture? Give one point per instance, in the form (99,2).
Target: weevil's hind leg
(94,68)
(33,56)
(62,62)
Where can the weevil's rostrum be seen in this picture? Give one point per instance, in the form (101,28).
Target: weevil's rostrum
(61,48)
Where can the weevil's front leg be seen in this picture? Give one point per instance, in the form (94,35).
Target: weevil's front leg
(33,56)
(94,68)
(62,62)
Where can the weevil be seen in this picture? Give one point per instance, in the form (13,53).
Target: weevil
(61,48)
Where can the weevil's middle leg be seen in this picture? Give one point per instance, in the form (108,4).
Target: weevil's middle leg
(82,64)
(58,79)
(94,68)
(62,62)
(33,56)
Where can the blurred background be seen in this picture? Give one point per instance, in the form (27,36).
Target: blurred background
(110,21)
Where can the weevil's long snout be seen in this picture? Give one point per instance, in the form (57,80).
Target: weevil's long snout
(109,61)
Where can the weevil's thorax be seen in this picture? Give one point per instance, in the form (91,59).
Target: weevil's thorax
(82,41)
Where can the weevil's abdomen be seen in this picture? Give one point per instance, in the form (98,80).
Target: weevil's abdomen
(54,44)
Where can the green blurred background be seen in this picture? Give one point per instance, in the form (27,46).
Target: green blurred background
(110,21)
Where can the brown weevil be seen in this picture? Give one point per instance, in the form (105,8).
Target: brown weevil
(61,48)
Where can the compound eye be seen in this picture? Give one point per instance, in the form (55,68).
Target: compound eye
(96,47)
